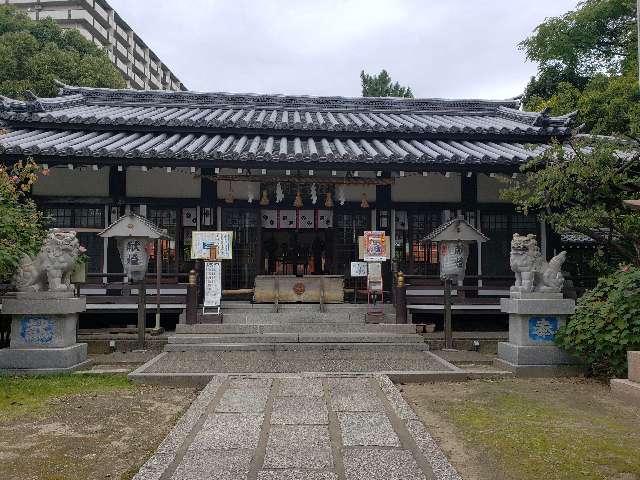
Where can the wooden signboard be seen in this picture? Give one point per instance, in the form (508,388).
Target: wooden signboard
(203,242)
(212,284)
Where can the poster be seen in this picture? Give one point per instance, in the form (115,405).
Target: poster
(358,269)
(374,246)
(212,284)
(203,241)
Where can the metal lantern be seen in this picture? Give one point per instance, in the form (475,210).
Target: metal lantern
(134,235)
(453,240)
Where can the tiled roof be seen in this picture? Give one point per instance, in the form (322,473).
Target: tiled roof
(242,147)
(93,122)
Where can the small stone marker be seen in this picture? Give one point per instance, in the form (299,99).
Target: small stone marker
(629,389)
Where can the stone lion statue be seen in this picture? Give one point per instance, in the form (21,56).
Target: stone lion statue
(52,266)
(533,273)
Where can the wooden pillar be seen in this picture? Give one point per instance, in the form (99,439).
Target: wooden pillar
(400,299)
(191,313)
(448,330)
(142,313)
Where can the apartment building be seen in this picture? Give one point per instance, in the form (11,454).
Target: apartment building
(99,22)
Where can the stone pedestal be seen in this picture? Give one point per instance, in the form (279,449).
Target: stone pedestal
(629,389)
(43,333)
(534,319)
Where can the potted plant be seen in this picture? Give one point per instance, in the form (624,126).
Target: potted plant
(79,274)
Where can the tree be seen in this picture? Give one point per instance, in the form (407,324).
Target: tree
(21,223)
(587,61)
(579,187)
(381,86)
(35,53)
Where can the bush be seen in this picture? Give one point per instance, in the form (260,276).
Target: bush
(606,324)
(21,223)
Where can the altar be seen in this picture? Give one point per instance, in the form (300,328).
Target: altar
(299,289)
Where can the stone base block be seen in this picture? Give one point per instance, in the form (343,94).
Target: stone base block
(50,303)
(534,355)
(626,390)
(538,306)
(43,360)
(538,371)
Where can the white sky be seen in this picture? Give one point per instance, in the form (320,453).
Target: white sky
(441,48)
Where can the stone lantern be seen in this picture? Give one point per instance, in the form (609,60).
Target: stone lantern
(453,239)
(135,235)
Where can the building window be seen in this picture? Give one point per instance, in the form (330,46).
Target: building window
(166,218)
(88,221)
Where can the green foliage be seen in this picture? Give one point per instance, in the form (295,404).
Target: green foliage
(381,85)
(581,189)
(606,324)
(21,223)
(587,61)
(34,53)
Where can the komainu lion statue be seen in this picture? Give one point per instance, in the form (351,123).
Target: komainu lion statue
(52,266)
(533,273)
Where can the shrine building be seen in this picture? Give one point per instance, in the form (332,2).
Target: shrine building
(296,178)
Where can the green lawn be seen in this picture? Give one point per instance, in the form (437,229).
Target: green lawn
(540,429)
(20,395)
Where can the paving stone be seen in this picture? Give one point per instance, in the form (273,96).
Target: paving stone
(300,387)
(398,403)
(215,465)
(296,475)
(367,429)
(223,431)
(356,402)
(442,468)
(251,383)
(380,464)
(155,466)
(243,400)
(298,446)
(299,411)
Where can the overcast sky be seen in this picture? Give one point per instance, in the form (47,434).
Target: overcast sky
(441,48)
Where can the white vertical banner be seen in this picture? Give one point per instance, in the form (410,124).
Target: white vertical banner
(212,284)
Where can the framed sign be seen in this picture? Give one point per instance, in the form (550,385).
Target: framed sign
(202,242)
(212,284)
(358,269)
(374,246)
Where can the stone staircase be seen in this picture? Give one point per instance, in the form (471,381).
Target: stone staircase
(301,328)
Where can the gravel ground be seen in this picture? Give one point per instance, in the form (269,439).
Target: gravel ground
(287,361)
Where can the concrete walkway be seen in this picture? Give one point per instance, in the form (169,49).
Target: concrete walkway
(290,427)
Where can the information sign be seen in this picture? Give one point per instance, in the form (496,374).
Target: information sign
(203,241)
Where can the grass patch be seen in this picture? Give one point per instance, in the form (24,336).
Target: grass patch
(531,438)
(19,395)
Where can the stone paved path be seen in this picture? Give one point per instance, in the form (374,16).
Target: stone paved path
(288,427)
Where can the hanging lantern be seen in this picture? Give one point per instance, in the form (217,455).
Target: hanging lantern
(250,193)
(298,201)
(229,196)
(328,201)
(364,203)
(264,200)
(341,195)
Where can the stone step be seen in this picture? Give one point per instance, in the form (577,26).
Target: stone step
(296,338)
(225,328)
(270,318)
(391,348)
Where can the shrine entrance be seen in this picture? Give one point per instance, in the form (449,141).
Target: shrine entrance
(296,252)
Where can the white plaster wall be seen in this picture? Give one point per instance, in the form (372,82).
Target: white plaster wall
(353,193)
(240,190)
(433,188)
(157,182)
(80,182)
(489,189)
